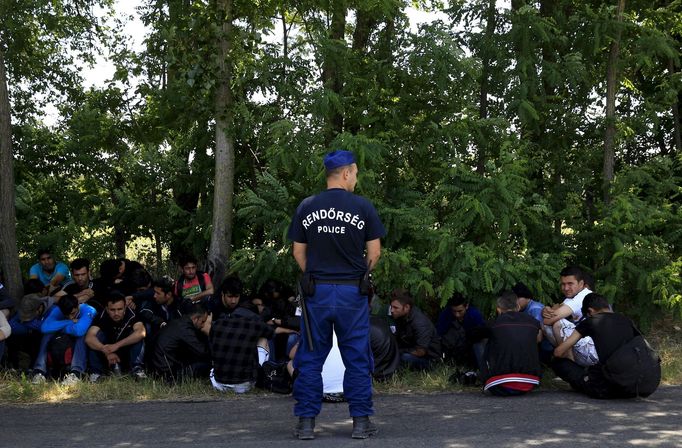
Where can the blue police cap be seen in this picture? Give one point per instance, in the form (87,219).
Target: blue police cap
(338,158)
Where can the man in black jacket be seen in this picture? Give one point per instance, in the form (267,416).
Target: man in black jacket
(416,335)
(610,332)
(182,348)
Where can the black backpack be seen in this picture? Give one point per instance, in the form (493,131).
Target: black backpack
(635,367)
(274,377)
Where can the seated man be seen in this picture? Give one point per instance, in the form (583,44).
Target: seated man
(238,346)
(182,347)
(165,307)
(68,321)
(457,326)
(6,301)
(533,309)
(52,274)
(26,323)
(230,296)
(117,337)
(610,378)
(80,285)
(558,327)
(5,332)
(192,284)
(417,339)
(384,348)
(511,365)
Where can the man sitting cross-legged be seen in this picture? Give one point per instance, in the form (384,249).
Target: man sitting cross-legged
(117,337)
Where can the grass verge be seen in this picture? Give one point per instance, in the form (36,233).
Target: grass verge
(666,337)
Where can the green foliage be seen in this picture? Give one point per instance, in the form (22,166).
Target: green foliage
(474,198)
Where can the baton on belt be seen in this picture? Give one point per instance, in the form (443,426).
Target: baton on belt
(300,298)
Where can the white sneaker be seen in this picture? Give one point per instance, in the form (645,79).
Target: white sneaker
(139,374)
(70,379)
(95,377)
(38,378)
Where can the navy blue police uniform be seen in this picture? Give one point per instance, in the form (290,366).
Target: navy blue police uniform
(335,225)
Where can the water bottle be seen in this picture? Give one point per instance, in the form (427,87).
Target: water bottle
(116,369)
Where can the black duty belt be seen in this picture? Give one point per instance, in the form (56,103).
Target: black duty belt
(354,282)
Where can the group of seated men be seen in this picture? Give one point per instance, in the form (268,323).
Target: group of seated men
(580,338)
(125,322)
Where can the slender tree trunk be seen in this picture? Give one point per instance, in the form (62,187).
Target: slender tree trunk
(677,132)
(221,234)
(486,58)
(331,70)
(9,255)
(611,87)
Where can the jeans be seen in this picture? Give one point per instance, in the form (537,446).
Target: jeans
(342,309)
(77,361)
(415,362)
(131,355)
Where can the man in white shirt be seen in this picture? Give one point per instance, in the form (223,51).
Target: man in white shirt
(559,320)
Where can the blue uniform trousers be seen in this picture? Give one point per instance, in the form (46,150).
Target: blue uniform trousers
(342,309)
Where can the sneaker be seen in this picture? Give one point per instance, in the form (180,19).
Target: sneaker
(70,379)
(139,374)
(38,378)
(95,377)
(305,430)
(363,428)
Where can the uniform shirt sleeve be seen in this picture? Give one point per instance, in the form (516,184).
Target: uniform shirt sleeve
(374,226)
(296,231)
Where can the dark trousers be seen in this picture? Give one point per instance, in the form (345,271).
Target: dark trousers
(588,380)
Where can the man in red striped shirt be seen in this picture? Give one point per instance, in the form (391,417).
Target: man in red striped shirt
(511,365)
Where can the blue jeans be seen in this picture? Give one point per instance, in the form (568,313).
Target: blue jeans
(415,362)
(131,355)
(77,361)
(342,309)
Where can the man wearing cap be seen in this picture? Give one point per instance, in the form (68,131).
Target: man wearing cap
(25,324)
(336,240)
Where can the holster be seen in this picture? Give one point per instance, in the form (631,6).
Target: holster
(308,285)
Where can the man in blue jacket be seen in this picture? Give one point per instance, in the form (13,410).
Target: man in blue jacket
(70,319)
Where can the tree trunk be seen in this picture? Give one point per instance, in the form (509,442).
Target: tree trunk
(611,87)
(221,234)
(9,255)
(486,57)
(331,71)
(677,132)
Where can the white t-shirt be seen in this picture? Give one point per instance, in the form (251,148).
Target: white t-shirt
(575,303)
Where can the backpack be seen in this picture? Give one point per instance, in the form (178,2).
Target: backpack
(181,282)
(635,367)
(60,353)
(274,377)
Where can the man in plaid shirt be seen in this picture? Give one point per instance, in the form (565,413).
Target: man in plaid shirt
(238,346)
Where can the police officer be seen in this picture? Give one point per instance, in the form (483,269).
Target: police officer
(336,239)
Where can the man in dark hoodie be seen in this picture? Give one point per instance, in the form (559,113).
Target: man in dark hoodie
(182,348)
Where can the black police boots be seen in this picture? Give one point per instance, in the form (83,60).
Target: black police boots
(305,430)
(363,428)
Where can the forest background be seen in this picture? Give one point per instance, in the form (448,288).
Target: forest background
(499,141)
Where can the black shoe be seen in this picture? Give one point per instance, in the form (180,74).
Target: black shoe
(363,428)
(305,430)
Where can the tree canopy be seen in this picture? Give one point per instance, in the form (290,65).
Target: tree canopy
(499,142)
